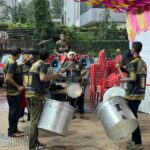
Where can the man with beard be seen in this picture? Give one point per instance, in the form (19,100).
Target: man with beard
(135,92)
(74,73)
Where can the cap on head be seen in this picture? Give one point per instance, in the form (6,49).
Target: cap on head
(71,53)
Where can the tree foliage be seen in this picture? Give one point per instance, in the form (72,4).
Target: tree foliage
(43,22)
(4,10)
(2,3)
(23,12)
(106,28)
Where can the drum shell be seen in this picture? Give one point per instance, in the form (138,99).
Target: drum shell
(116,118)
(56,117)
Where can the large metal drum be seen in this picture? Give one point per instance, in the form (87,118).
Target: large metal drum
(116,118)
(56,117)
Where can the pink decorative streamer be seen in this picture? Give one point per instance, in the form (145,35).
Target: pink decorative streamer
(118,5)
(133,22)
(147,16)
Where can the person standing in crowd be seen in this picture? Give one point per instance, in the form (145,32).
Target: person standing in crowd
(62,46)
(75,73)
(13,82)
(35,93)
(135,92)
(27,60)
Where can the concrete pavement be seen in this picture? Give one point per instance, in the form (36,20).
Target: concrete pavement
(83,134)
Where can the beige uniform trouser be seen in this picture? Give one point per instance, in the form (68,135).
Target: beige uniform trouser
(36,106)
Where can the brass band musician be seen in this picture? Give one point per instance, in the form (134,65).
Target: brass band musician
(36,91)
(74,73)
(62,46)
(135,92)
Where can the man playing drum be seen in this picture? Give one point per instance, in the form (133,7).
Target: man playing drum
(35,93)
(27,61)
(74,74)
(135,92)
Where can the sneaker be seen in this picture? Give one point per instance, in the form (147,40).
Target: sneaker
(135,147)
(21,119)
(38,147)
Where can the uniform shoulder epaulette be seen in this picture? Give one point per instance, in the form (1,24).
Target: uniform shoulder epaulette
(11,60)
(135,60)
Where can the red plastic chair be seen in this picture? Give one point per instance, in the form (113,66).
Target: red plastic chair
(102,58)
(78,57)
(110,64)
(103,85)
(118,59)
(117,79)
(1,65)
(51,57)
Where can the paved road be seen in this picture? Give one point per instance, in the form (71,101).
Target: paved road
(83,134)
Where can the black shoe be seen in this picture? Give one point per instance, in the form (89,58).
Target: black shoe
(74,117)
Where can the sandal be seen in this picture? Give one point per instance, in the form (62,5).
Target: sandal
(18,131)
(16,135)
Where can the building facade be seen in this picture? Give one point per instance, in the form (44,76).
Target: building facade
(79,14)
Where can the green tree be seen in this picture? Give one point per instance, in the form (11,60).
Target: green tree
(19,12)
(2,3)
(29,10)
(5,10)
(43,22)
(106,29)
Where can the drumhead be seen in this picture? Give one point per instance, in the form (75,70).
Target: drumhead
(74,90)
(113,92)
